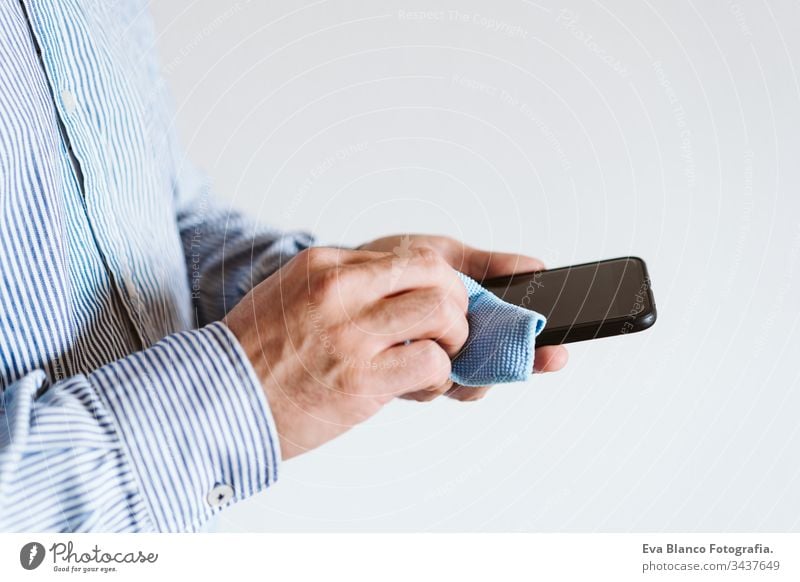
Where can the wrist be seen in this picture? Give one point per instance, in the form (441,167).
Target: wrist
(255,347)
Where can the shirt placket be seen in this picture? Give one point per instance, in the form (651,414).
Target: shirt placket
(76,133)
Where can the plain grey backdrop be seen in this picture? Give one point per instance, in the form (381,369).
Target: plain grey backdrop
(572,131)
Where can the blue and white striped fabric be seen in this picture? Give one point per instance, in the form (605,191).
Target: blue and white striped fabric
(108,243)
(126,405)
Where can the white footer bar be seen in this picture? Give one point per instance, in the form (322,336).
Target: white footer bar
(389,557)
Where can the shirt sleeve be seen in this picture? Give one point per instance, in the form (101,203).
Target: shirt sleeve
(228,254)
(160,440)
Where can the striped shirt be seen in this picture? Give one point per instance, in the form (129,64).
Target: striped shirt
(126,405)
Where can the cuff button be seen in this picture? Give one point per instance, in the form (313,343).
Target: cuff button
(219,495)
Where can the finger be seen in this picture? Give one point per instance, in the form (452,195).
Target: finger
(325,270)
(322,257)
(480,264)
(467,393)
(403,369)
(428,395)
(429,313)
(390,274)
(325,264)
(550,358)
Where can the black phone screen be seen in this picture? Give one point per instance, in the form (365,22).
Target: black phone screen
(580,294)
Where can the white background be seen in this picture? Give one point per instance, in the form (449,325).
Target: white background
(577,131)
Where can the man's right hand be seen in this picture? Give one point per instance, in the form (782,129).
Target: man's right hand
(327,337)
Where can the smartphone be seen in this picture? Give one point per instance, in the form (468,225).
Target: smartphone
(585,301)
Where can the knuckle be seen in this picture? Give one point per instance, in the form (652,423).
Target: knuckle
(321,254)
(460,296)
(451,311)
(304,256)
(462,333)
(428,356)
(438,365)
(354,380)
(453,320)
(447,300)
(439,298)
(429,257)
(441,271)
(324,283)
(316,256)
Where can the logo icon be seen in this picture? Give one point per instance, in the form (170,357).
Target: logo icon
(31,555)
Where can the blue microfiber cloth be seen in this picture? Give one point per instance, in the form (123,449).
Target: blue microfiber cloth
(501,340)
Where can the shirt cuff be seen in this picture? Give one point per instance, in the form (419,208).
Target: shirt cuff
(277,253)
(197,428)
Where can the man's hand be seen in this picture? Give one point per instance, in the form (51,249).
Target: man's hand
(479,265)
(327,335)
